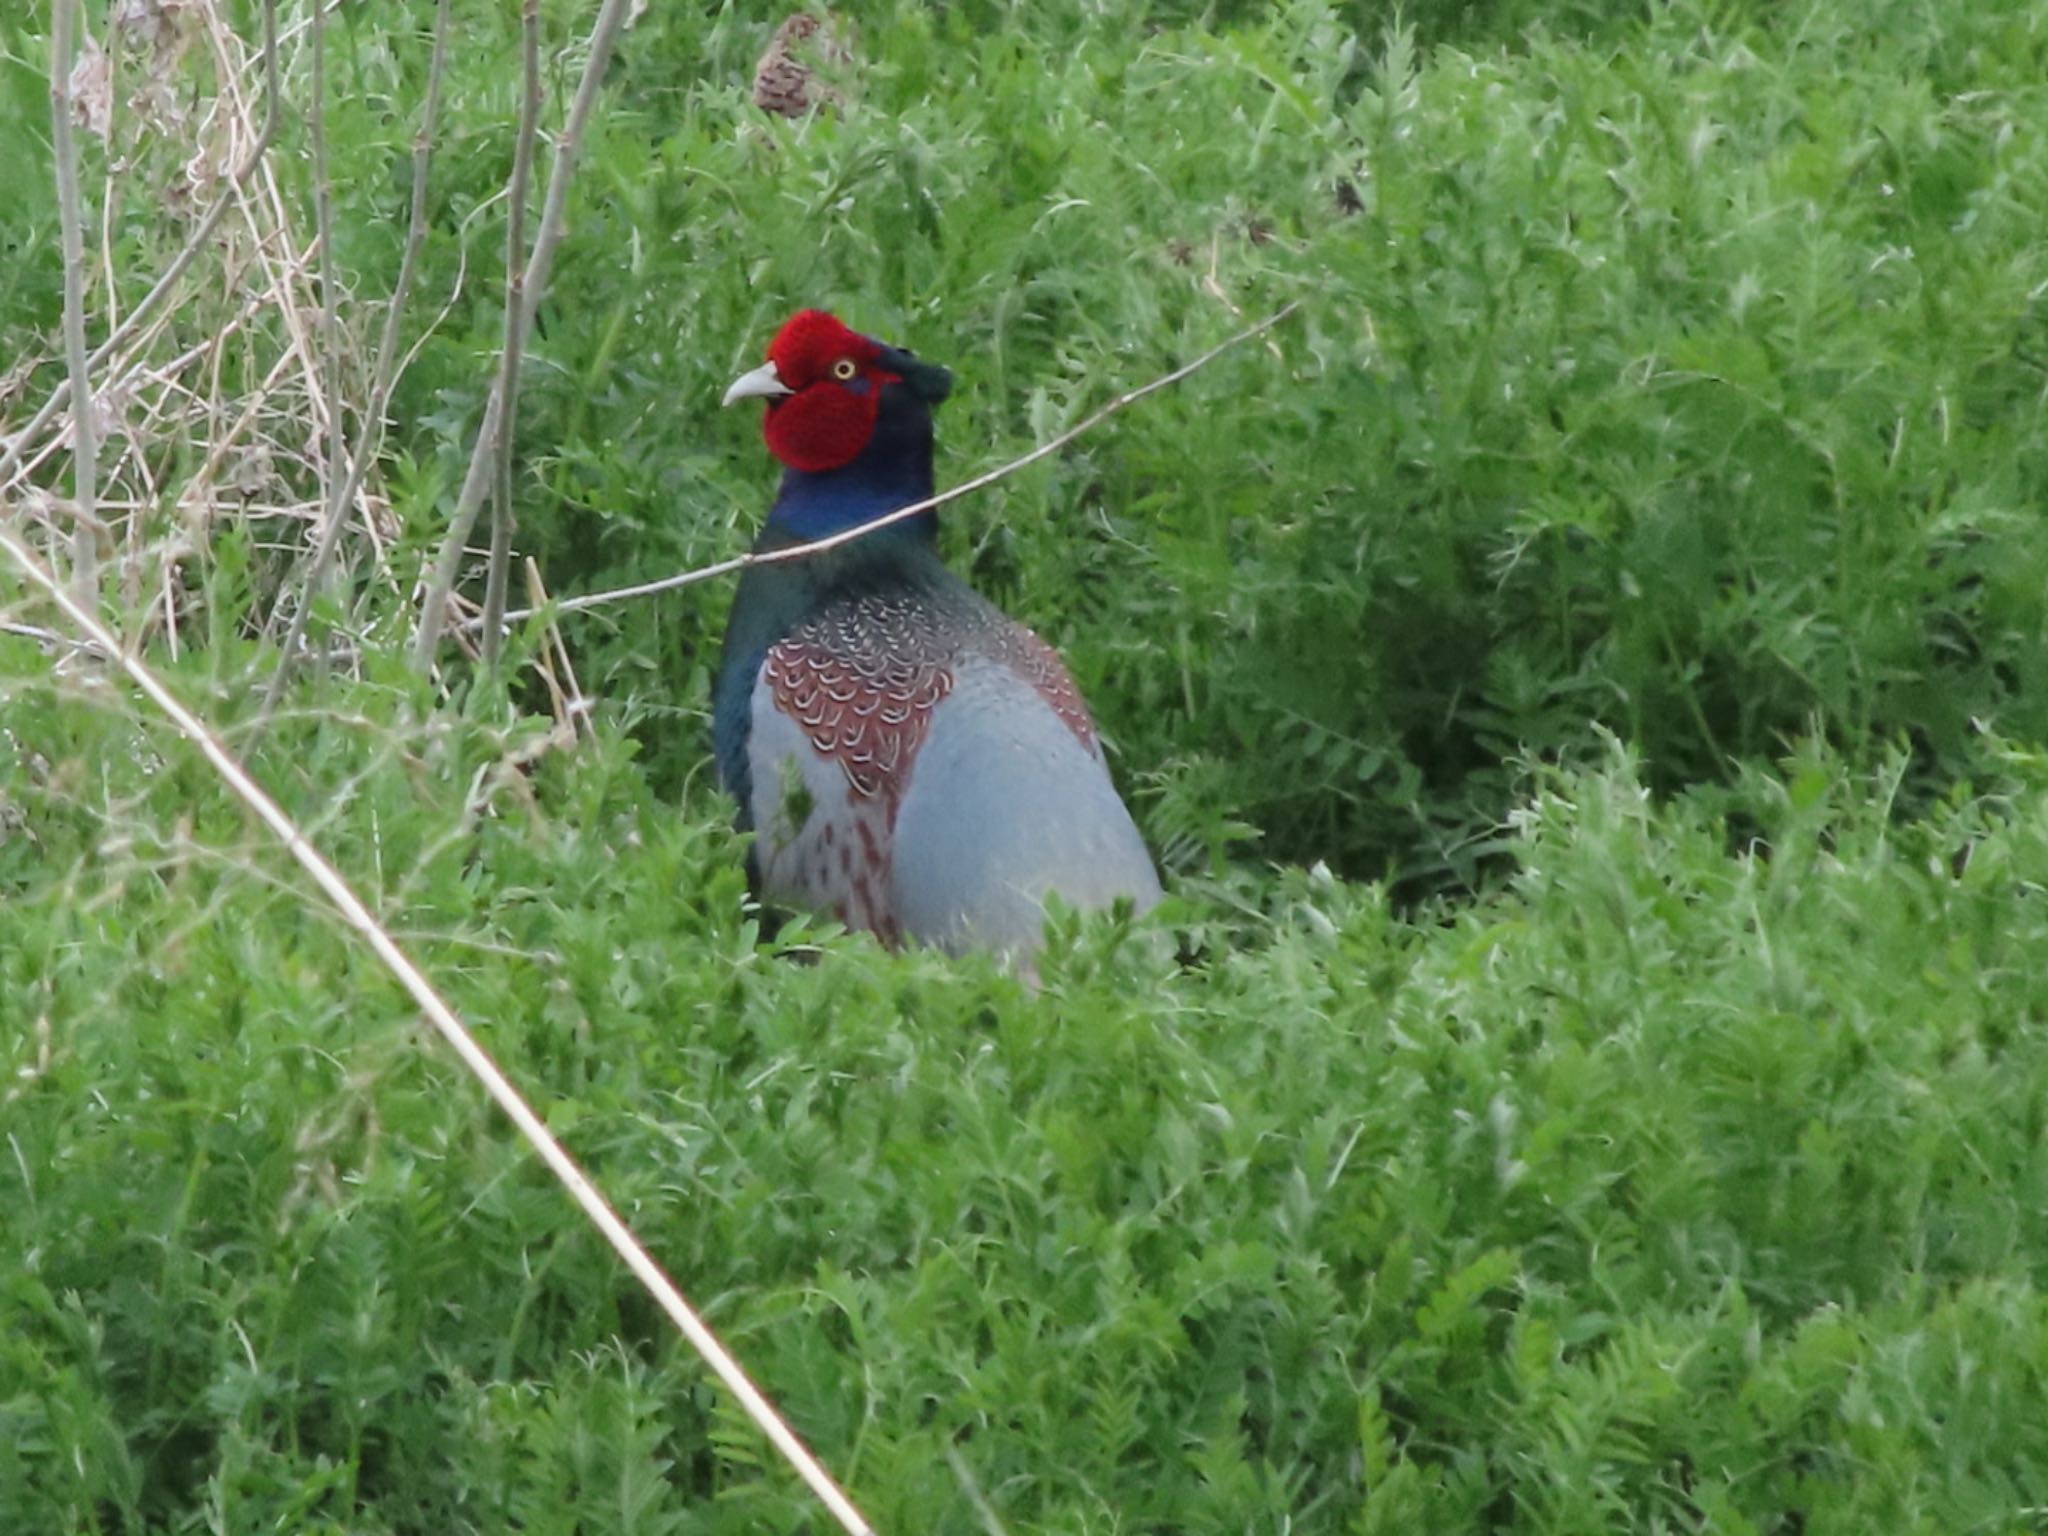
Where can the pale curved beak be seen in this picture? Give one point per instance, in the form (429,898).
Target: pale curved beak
(764,382)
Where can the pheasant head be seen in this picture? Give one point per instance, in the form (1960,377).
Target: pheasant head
(829,389)
(851,421)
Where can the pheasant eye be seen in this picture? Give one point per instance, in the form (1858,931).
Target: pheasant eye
(844,369)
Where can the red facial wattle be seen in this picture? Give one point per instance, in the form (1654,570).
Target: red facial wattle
(836,393)
(822,427)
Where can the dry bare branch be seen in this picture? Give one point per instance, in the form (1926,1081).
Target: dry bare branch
(263,203)
(917,508)
(146,312)
(499,572)
(369,436)
(565,694)
(71,219)
(338,478)
(554,214)
(357,915)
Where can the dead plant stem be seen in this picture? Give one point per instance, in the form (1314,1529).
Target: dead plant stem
(357,915)
(338,477)
(499,572)
(604,35)
(71,218)
(370,430)
(167,282)
(915,509)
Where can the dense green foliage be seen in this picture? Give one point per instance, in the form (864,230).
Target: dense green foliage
(1629,558)
(1667,1189)
(1688,388)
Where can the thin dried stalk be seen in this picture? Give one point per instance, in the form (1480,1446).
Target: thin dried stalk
(971,1486)
(71,219)
(337,478)
(565,692)
(286,276)
(166,284)
(500,570)
(370,431)
(916,508)
(357,915)
(611,19)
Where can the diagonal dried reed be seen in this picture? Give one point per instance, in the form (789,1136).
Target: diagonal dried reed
(965,488)
(611,20)
(357,915)
(219,351)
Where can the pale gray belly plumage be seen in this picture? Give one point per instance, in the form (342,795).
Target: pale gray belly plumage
(1003,806)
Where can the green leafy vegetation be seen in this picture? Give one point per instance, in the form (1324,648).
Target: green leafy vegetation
(1584,677)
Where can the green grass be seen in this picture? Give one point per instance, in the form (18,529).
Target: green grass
(1689,383)
(1585,679)
(1666,1184)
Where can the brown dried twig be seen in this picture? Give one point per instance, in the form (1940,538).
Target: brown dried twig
(565,694)
(330,343)
(289,280)
(915,509)
(357,915)
(499,572)
(604,35)
(145,312)
(71,218)
(370,429)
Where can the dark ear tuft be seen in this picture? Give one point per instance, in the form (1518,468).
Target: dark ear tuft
(928,381)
